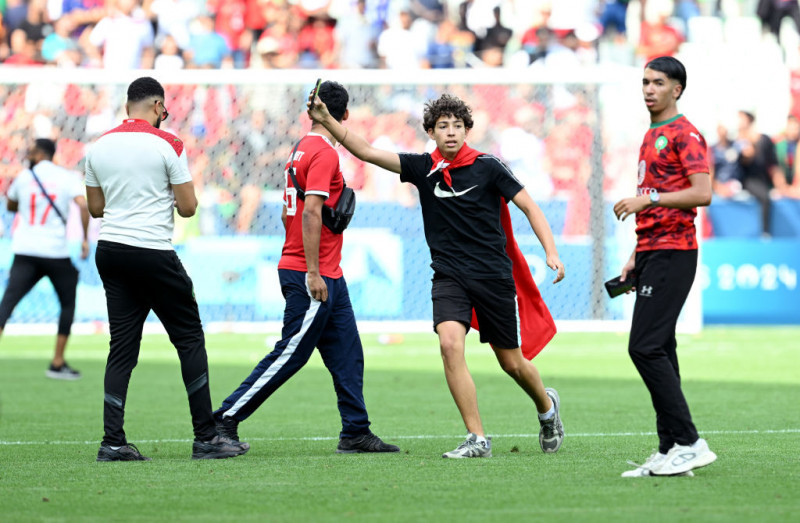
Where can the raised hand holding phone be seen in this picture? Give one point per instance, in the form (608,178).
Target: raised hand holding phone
(313,95)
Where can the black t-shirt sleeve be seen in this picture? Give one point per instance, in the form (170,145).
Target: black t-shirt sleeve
(507,184)
(414,167)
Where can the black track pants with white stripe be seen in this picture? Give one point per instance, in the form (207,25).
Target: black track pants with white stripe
(137,281)
(329,326)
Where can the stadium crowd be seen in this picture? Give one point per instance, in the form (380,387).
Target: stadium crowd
(238,138)
(395,34)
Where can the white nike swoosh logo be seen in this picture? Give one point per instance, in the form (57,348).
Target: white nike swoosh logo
(441,193)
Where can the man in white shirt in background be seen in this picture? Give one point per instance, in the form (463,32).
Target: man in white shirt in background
(136,175)
(39,242)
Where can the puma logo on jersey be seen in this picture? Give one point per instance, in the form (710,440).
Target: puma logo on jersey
(695,135)
(441,193)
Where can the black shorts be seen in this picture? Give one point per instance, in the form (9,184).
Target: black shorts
(494,301)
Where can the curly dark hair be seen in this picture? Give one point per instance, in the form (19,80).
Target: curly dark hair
(446,105)
(144,87)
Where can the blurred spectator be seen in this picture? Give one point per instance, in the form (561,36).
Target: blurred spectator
(530,39)
(14,14)
(278,45)
(726,175)
(441,51)
(612,18)
(170,57)
(523,150)
(431,10)
(316,42)
(35,21)
(492,45)
(658,38)
(59,47)
(397,46)
(685,10)
(126,38)
(478,16)
(356,39)
(207,48)
(759,164)
(772,12)
(172,18)
(22,49)
(229,17)
(786,151)
(3,39)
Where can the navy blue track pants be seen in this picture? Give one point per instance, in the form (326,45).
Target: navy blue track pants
(329,326)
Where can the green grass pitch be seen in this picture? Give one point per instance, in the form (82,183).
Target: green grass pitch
(742,384)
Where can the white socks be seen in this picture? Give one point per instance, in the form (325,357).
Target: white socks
(549,414)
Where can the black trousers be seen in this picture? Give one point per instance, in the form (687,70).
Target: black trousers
(26,271)
(664,279)
(137,281)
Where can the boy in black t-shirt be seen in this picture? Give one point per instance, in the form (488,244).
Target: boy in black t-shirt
(462,193)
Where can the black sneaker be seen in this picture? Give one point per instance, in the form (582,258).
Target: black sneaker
(64,372)
(127,452)
(228,427)
(364,443)
(218,447)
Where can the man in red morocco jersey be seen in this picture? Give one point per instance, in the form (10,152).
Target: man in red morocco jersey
(40,242)
(318,310)
(673,182)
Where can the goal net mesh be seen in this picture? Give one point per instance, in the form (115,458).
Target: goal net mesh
(573,141)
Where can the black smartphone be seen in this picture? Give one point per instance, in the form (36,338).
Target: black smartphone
(316,89)
(615,287)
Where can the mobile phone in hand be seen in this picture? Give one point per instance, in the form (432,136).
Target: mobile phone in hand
(615,287)
(315,91)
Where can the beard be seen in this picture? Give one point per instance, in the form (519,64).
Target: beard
(157,125)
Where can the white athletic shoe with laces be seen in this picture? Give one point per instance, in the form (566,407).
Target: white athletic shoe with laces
(471,448)
(684,458)
(644,470)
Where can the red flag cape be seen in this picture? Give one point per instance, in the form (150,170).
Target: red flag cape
(537,327)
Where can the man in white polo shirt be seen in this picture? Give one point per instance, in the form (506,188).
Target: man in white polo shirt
(135,175)
(42,195)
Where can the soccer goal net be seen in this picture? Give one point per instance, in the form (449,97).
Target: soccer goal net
(572,139)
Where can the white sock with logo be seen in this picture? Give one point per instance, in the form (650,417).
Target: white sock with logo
(549,414)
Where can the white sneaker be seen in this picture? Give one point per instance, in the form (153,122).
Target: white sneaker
(644,470)
(471,448)
(683,458)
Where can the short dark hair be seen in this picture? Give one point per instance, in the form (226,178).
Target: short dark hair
(749,116)
(672,67)
(47,146)
(446,105)
(335,97)
(143,88)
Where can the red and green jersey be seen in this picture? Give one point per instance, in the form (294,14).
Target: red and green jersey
(671,151)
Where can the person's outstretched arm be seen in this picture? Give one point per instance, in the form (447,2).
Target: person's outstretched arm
(542,230)
(361,149)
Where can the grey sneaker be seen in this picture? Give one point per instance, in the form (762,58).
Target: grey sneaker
(64,372)
(218,447)
(551,432)
(127,452)
(471,448)
(364,443)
